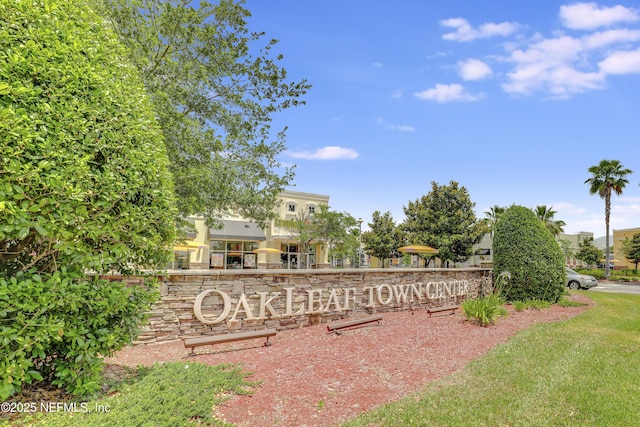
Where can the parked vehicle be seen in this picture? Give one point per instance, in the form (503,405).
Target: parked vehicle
(579,281)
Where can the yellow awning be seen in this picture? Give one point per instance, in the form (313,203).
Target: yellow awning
(189,245)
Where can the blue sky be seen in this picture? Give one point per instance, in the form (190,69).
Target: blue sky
(514,100)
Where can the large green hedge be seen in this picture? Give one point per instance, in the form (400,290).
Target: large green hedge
(84,189)
(524,247)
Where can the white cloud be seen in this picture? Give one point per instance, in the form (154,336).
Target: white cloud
(502,29)
(605,38)
(390,126)
(377,64)
(552,65)
(447,93)
(464,32)
(564,208)
(631,210)
(621,62)
(473,69)
(331,152)
(588,16)
(561,65)
(629,199)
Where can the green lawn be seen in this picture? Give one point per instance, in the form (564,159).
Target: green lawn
(581,372)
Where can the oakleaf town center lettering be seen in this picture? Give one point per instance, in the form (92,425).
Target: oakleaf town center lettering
(214,306)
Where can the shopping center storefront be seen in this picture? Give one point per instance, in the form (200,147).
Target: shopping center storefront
(232,246)
(242,244)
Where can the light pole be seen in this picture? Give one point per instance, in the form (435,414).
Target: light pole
(359,241)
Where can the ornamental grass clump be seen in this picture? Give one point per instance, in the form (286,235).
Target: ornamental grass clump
(483,311)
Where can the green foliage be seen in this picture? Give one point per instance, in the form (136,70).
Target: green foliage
(589,253)
(607,177)
(565,302)
(618,277)
(334,229)
(535,304)
(383,237)
(631,249)
(445,219)
(579,372)
(524,247)
(169,394)
(598,274)
(492,216)
(84,188)
(484,310)
(337,230)
(215,86)
(57,327)
(546,214)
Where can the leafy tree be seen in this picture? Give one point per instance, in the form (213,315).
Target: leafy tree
(631,249)
(84,188)
(337,230)
(304,232)
(607,177)
(383,238)
(566,248)
(333,229)
(525,249)
(215,96)
(445,219)
(588,252)
(492,217)
(546,215)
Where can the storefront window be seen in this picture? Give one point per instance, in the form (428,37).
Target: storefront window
(232,254)
(181,260)
(250,246)
(217,245)
(291,257)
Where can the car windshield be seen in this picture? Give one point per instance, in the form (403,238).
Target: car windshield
(570,271)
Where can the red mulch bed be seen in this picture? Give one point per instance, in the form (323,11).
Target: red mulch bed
(313,378)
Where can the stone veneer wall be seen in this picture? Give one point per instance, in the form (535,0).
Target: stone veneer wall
(173,316)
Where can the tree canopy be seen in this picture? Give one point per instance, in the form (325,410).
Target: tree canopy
(84,188)
(444,219)
(335,230)
(631,249)
(383,238)
(588,252)
(546,215)
(338,231)
(215,87)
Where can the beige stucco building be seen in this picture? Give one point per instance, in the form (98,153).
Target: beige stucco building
(574,241)
(619,260)
(242,244)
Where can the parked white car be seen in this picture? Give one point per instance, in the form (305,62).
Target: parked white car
(579,281)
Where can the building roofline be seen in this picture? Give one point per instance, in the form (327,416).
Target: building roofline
(304,195)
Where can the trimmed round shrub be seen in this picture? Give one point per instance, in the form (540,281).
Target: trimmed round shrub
(524,247)
(85,189)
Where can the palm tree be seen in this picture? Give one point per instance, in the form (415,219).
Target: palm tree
(492,217)
(607,176)
(546,215)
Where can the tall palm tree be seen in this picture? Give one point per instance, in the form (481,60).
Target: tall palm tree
(607,176)
(546,215)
